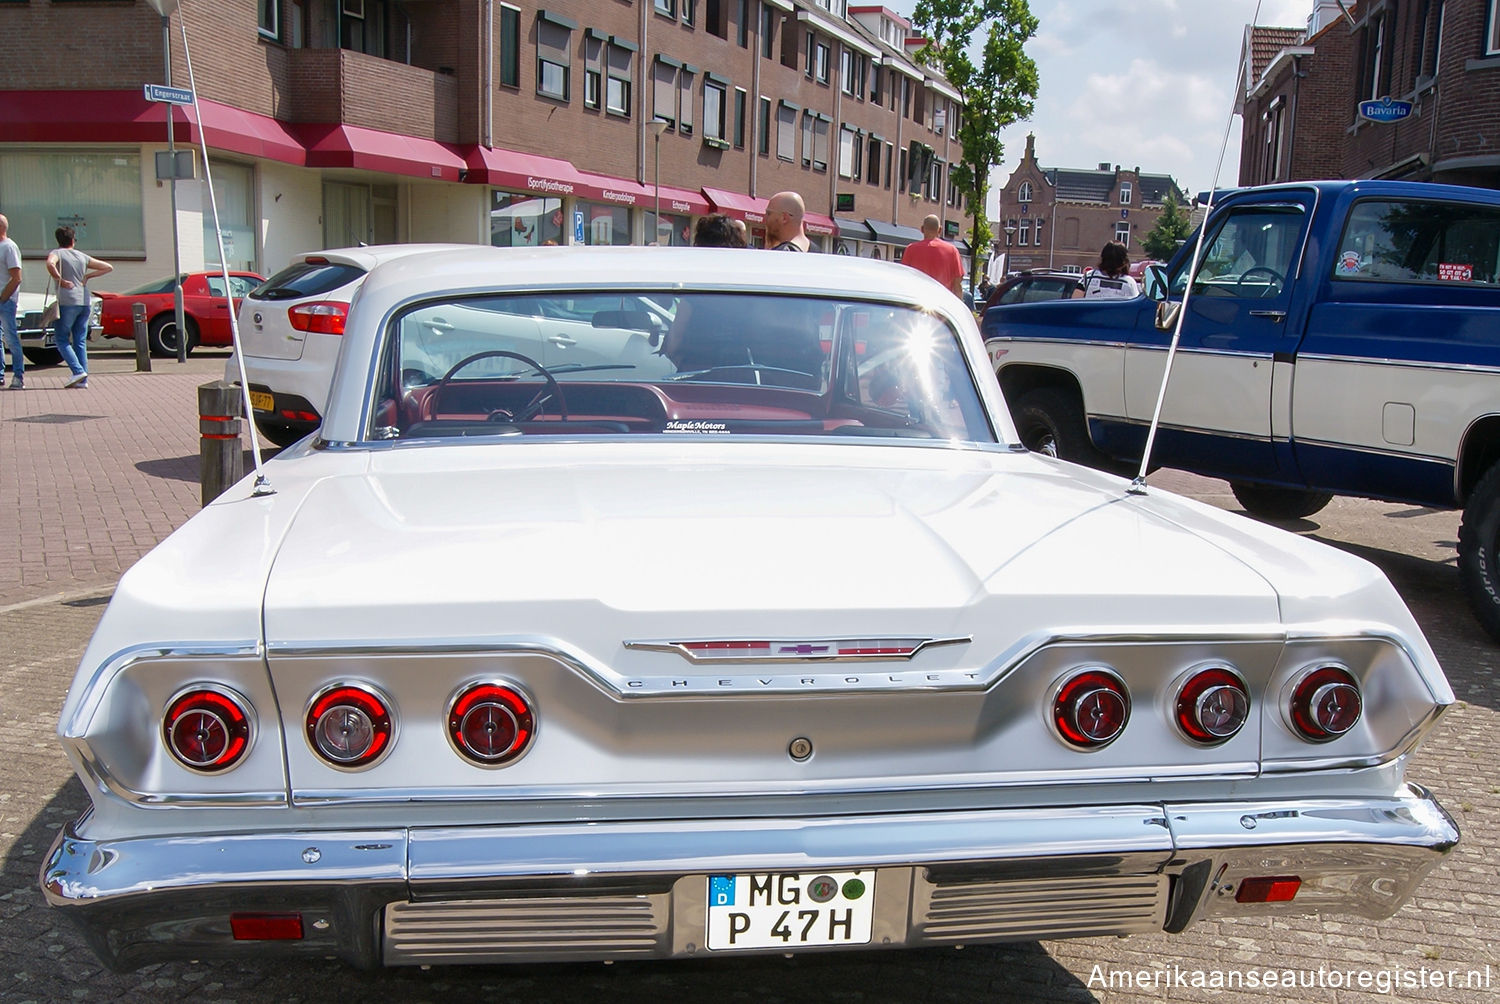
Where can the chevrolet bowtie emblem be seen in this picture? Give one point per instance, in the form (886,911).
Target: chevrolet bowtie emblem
(795,650)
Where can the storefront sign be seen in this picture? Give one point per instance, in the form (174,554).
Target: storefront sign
(1384,110)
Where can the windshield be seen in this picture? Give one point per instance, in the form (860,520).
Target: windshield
(671,363)
(154,286)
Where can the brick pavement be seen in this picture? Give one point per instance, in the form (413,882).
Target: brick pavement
(91,479)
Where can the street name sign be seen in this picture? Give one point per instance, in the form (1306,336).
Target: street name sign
(169,95)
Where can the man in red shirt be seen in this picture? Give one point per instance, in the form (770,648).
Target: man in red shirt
(936,257)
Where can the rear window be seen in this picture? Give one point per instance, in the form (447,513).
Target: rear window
(672,363)
(154,286)
(1415,241)
(301,279)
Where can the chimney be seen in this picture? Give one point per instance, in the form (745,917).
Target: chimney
(1324,13)
(1104,165)
(1031,146)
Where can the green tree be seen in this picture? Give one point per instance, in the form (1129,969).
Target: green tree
(1172,227)
(999,90)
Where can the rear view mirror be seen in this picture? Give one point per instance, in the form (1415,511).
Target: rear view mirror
(1156,282)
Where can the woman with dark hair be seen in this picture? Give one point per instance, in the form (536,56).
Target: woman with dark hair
(718,231)
(1111,279)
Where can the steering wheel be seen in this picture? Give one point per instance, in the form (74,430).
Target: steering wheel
(1273,287)
(532,408)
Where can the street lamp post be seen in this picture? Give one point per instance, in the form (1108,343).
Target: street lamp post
(165,9)
(1010,236)
(658,126)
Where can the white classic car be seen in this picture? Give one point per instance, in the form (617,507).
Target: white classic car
(754,630)
(36,314)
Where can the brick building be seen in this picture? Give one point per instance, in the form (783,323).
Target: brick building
(1059,217)
(1301,91)
(331,122)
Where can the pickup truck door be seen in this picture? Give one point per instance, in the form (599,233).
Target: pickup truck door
(1217,416)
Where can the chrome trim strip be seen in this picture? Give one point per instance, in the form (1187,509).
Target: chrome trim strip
(1371,451)
(1200,430)
(1417,364)
(782,645)
(1091,342)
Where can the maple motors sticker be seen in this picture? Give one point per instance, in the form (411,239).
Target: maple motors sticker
(699,427)
(1449,272)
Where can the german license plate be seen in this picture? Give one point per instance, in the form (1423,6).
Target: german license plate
(262,401)
(790,910)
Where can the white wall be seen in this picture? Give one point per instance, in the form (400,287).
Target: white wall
(290,202)
(446,213)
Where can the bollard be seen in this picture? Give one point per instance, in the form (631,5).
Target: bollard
(221,458)
(142,342)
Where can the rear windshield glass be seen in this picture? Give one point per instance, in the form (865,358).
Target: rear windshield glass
(1413,241)
(671,363)
(302,278)
(154,286)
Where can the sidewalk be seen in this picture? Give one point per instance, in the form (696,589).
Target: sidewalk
(90,480)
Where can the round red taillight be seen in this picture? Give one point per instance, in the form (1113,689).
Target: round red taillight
(350,726)
(1091,709)
(1326,703)
(1212,706)
(491,723)
(206,729)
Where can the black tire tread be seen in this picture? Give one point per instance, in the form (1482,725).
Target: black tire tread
(1276,502)
(1478,554)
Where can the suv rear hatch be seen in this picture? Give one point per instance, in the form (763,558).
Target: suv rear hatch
(266,329)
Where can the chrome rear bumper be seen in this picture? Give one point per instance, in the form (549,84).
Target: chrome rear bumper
(638,889)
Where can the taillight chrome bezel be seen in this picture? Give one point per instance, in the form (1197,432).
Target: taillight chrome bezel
(1309,691)
(378,711)
(1083,690)
(1200,692)
(513,707)
(226,711)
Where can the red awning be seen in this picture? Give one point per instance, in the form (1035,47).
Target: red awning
(525,172)
(817,223)
(127,117)
(374,150)
(739,207)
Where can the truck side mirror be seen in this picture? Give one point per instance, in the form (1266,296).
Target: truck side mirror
(1156,282)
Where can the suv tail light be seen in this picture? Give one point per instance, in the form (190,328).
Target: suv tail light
(1091,709)
(325,317)
(491,724)
(350,726)
(207,730)
(1326,703)
(1212,706)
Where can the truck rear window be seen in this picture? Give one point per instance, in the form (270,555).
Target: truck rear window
(1417,241)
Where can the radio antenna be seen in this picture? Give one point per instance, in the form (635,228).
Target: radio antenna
(1138,486)
(262,483)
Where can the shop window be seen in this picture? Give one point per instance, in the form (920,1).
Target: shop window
(234,193)
(552,59)
(98,194)
(786,132)
(521,220)
(510,46)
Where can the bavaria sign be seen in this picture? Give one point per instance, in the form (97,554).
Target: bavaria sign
(1384,110)
(169,95)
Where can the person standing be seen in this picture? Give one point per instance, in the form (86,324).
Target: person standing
(936,257)
(1111,280)
(72,270)
(10,298)
(784,231)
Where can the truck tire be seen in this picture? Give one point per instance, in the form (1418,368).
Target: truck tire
(1051,421)
(1268,502)
(1479,551)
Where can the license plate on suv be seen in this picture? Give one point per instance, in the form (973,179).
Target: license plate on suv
(790,909)
(262,400)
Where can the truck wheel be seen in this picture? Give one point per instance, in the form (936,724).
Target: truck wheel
(1479,551)
(1051,421)
(1268,502)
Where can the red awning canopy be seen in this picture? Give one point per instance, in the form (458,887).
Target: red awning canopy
(127,117)
(525,172)
(739,207)
(374,150)
(817,223)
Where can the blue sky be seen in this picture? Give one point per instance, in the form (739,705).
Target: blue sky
(1140,83)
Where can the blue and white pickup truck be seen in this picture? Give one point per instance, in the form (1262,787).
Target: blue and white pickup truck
(1341,338)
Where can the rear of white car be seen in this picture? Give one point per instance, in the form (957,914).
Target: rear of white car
(291,327)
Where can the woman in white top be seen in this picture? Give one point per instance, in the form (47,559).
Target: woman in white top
(1111,280)
(72,270)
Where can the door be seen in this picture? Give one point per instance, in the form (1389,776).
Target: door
(346,215)
(1217,414)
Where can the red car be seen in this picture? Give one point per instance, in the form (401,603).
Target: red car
(205,310)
